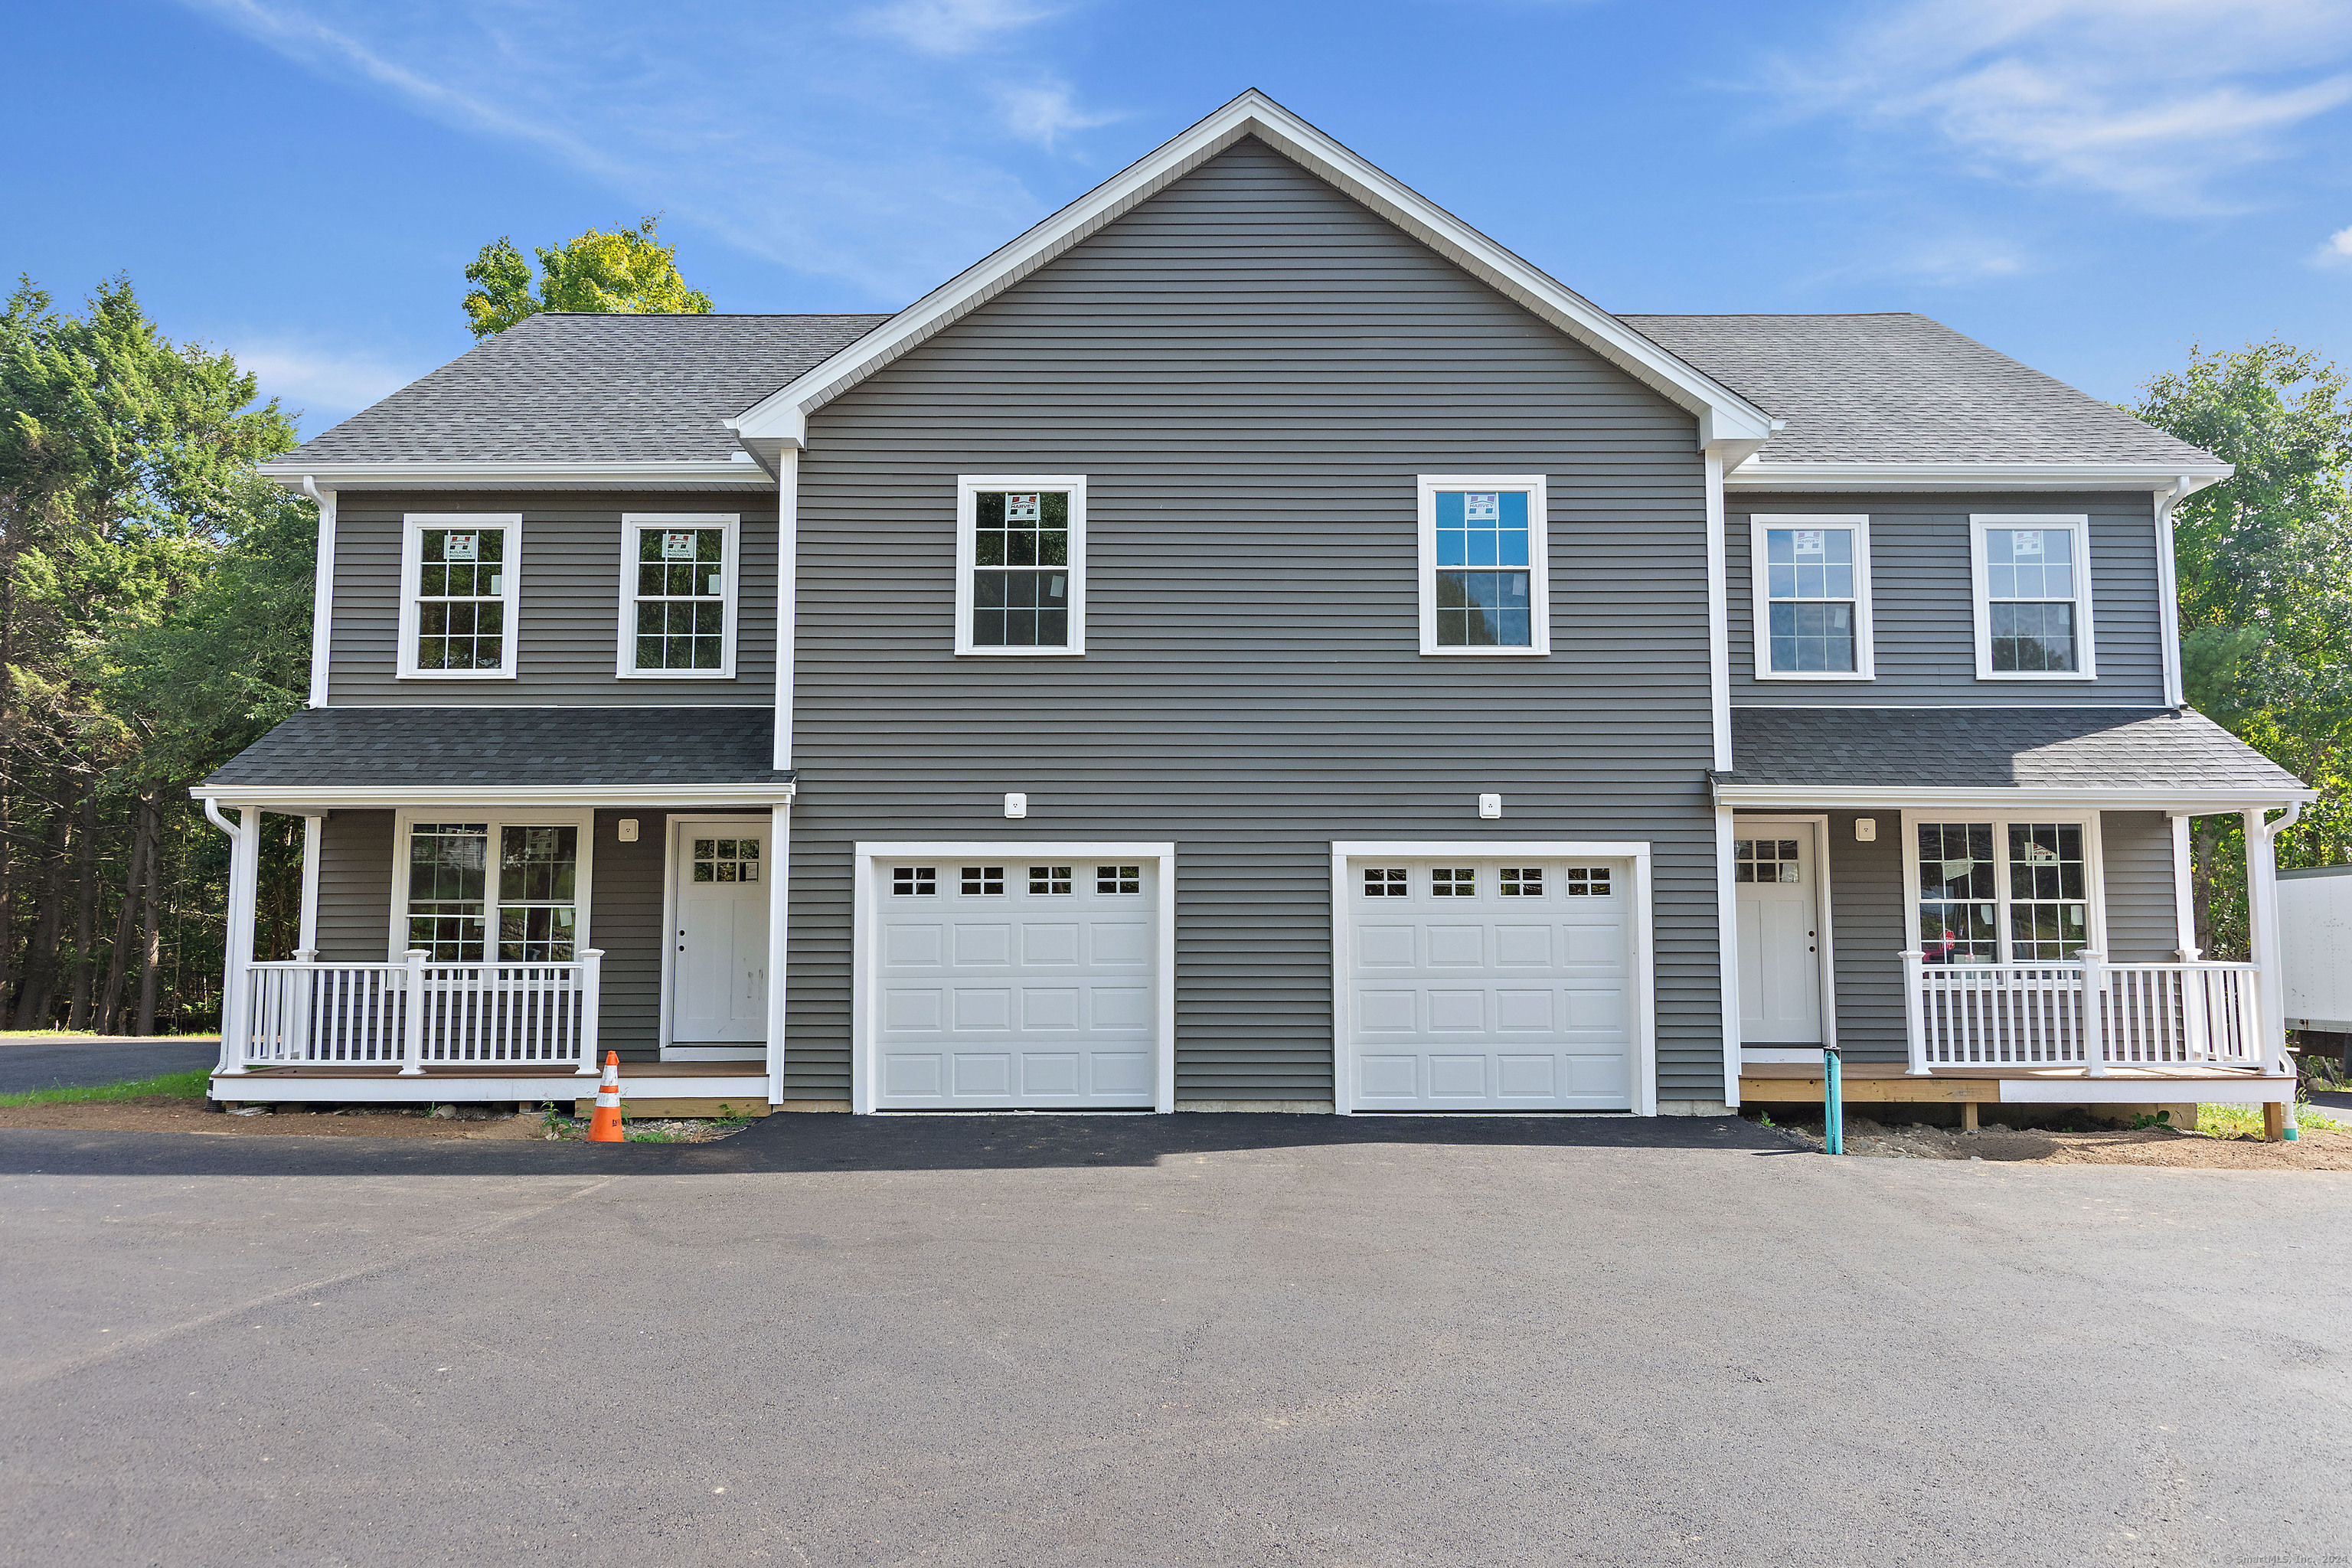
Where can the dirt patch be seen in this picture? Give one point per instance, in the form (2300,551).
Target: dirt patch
(167,1113)
(2154,1146)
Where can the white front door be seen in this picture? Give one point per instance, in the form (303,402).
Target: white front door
(1490,984)
(719,992)
(1776,874)
(1015,980)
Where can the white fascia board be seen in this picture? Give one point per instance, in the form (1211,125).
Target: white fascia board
(2187,799)
(1755,474)
(741,473)
(296,800)
(1724,414)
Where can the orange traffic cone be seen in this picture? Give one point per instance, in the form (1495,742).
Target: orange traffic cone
(604,1126)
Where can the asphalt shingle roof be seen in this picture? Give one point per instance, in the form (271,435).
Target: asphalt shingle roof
(577,388)
(1903,389)
(356,748)
(1994,748)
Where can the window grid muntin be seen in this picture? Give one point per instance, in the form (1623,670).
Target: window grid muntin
(1812,594)
(680,620)
(1520,882)
(461,603)
(982,881)
(2014,892)
(1050,881)
(1021,571)
(2033,598)
(1454,882)
(914,881)
(449,907)
(1586,881)
(1767,860)
(1119,878)
(725,859)
(1386,882)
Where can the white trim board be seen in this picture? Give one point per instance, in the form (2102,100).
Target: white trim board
(740,473)
(2195,799)
(296,800)
(2086,659)
(731,565)
(413,527)
(1760,523)
(1722,414)
(1757,474)
(1538,568)
(866,925)
(1644,965)
(469,1087)
(968,488)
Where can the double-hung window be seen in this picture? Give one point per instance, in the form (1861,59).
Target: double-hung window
(1484,586)
(2005,890)
(1020,564)
(484,890)
(678,573)
(2033,597)
(459,586)
(1811,595)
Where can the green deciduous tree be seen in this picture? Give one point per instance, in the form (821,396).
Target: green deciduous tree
(627,271)
(2265,569)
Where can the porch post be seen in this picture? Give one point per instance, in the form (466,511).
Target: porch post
(592,1002)
(2184,902)
(2094,1011)
(780,880)
(2263,941)
(1915,1024)
(412,1044)
(244,875)
(313,834)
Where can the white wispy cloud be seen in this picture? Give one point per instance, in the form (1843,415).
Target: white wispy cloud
(323,384)
(2337,251)
(2168,104)
(864,152)
(949,28)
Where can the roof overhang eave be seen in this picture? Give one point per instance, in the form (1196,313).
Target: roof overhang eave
(701,474)
(1759,475)
(1725,415)
(2183,799)
(296,800)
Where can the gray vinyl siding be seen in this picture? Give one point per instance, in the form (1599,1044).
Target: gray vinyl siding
(625,915)
(2142,924)
(1923,614)
(356,887)
(569,611)
(1250,370)
(1870,925)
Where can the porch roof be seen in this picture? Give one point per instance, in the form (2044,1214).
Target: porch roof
(2156,758)
(346,755)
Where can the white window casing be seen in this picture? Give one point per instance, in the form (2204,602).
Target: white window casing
(970,488)
(495,821)
(634,527)
(506,584)
(1760,528)
(1436,635)
(2076,528)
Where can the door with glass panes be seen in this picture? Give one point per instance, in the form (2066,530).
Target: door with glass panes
(718,990)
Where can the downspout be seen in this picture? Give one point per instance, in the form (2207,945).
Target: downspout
(322,592)
(2262,930)
(2168,570)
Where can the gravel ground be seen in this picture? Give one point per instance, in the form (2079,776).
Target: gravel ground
(2151,1146)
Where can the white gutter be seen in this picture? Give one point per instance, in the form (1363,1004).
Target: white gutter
(294,800)
(739,472)
(2200,801)
(1756,475)
(2168,567)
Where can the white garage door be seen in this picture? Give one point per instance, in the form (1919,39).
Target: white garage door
(1478,984)
(1015,983)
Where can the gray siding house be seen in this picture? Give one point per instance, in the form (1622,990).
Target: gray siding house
(1252,642)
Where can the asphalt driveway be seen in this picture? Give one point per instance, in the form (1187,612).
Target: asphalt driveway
(1174,1339)
(72,1063)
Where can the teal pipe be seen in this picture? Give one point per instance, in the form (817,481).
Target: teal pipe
(1833,1100)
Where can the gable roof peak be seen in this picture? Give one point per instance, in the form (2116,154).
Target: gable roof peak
(781,419)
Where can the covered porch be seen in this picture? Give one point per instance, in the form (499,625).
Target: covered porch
(1994,907)
(478,934)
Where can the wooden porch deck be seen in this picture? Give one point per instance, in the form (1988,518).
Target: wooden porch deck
(1792,1082)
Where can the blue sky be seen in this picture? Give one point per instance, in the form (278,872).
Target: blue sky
(2090,185)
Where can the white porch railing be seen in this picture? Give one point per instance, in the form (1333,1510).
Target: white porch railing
(418,1015)
(2044,1014)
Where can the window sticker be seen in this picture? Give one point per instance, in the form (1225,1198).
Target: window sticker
(461,547)
(677,544)
(1023,507)
(2025,541)
(1482,506)
(1812,540)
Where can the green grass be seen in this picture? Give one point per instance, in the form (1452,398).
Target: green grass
(2246,1120)
(180,1085)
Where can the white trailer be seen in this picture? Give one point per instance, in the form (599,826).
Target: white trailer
(2315,952)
